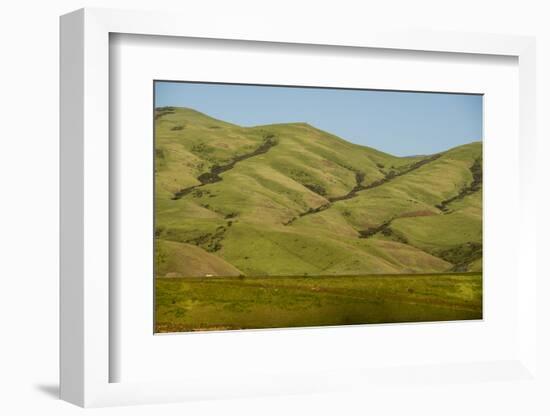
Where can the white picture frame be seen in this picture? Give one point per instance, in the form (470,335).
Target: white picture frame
(86,356)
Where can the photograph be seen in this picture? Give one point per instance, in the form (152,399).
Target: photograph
(301,206)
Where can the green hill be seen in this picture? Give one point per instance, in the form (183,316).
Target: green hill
(290,199)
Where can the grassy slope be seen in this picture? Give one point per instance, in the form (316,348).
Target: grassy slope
(180,260)
(240,220)
(461,225)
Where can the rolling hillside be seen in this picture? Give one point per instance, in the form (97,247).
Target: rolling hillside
(290,199)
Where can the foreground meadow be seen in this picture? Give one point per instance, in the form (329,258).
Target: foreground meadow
(227,303)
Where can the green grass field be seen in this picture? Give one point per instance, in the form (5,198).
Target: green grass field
(225,303)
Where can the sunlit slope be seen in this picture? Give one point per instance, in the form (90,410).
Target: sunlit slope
(277,250)
(292,199)
(416,194)
(180,260)
(188,143)
(455,233)
(433,208)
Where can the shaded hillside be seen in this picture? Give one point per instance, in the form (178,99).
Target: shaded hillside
(290,199)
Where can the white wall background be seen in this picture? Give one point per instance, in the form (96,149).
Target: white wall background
(29,56)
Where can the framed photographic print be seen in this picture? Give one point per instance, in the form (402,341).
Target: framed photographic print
(273,212)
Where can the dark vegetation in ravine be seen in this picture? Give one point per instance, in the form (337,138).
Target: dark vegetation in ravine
(384,229)
(461,256)
(162,111)
(211,242)
(477,175)
(392,174)
(216,170)
(359,186)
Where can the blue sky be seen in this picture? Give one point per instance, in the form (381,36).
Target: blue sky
(400,123)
